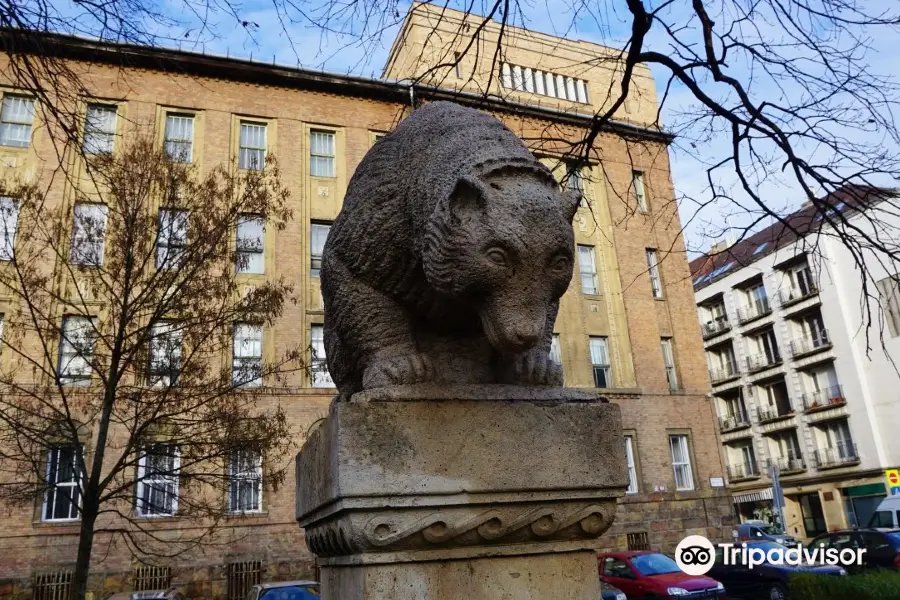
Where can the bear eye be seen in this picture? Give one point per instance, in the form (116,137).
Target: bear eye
(497,256)
(560,264)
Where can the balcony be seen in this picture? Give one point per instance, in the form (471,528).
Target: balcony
(842,455)
(754,310)
(809,344)
(793,295)
(724,373)
(767,414)
(733,422)
(788,465)
(742,471)
(827,398)
(715,327)
(763,360)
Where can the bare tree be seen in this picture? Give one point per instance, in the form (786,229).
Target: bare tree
(134,383)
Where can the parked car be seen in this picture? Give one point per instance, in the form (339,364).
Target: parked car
(759,531)
(646,575)
(169,594)
(285,590)
(887,514)
(762,581)
(882,546)
(611,592)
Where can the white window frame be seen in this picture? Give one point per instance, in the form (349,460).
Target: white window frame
(656,288)
(574,177)
(168,480)
(171,237)
(9,221)
(178,138)
(633,487)
(100,134)
(555,350)
(600,359)
(889,291)
(16,121)
(164,354)
(319,374)
(72,487)
(587,270)
(640,191)
(668,351)
(88,234)
(687,471)
(318,233)
(245,467)
(76,351)
(252,154)
(250,242)
(322,157)
(246,356)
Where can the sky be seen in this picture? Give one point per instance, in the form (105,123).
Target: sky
(346,37)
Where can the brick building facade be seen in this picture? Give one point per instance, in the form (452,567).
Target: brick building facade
(624,326)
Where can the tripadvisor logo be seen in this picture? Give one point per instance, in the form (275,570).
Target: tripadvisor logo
(695,555)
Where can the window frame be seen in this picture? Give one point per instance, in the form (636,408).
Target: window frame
(555,349)
(319,375)
(237,357)
(255,252)
(188,158)
(316,157)
(639,185)
(13,124)
(8,206)
(685,446)
(64,377)
(76,247)
(144,481)
(631,464)
(168,236)
(889,290)
(602,343)
(251,475)
(667,344)
(589,251)
(167,375)
(94,132)
(245,160)
(73,485)
(653,270)
(316,259)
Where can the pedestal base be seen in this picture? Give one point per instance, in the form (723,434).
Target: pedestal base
(476,492)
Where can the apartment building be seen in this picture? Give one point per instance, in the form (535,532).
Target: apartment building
(626,326)
(798,380)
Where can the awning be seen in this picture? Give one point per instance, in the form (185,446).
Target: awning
(765,494)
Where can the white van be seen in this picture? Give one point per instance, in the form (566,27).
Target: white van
(888,513)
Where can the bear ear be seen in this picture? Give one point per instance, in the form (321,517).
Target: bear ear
(571,200)
(468,197)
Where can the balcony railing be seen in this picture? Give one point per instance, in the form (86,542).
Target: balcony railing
(763,360)
(727,371)
(742,471)
(819,340)
(788,464)
(754,310)
(833,396)
(764,414)
(843,454)
(732,422)
(792,295)
(715,327)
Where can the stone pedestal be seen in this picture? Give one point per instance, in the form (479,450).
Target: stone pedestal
(477,492)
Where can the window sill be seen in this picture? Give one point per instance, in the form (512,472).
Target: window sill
(659,298)
(235,516)
(158,518)
(592,296)
(56,524)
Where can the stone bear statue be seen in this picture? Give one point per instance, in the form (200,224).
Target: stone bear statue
(448,258)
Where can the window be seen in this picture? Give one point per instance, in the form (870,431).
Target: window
(53,585)
(252,150)
(251,235)
(246,359)
(88,235)
(587,267)
(157,484)
(456,58)
(600,362)
(165,354)
(889,290)
(9,221)
(802,280)
(526,79)
(574,177)
(321,153)
(681,462)
(640,193)
(319,368)
(171,238)
(632,469)
(653,270)
(668,353)
(99,129)
(245,482)
(318,233)
(76,350)
(179,137)
(555,353)
(16,119)
(241,577)
(62,499)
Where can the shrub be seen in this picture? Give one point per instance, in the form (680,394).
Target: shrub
(871,585)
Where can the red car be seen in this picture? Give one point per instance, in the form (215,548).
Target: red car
(646,575)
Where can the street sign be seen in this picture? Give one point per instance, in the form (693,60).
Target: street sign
(893,480)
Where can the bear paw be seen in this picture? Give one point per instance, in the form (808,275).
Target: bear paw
(401,370)
(533,368)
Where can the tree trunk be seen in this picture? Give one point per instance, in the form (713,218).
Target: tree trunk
(85,544)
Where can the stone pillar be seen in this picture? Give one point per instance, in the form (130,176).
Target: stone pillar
(480,492)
